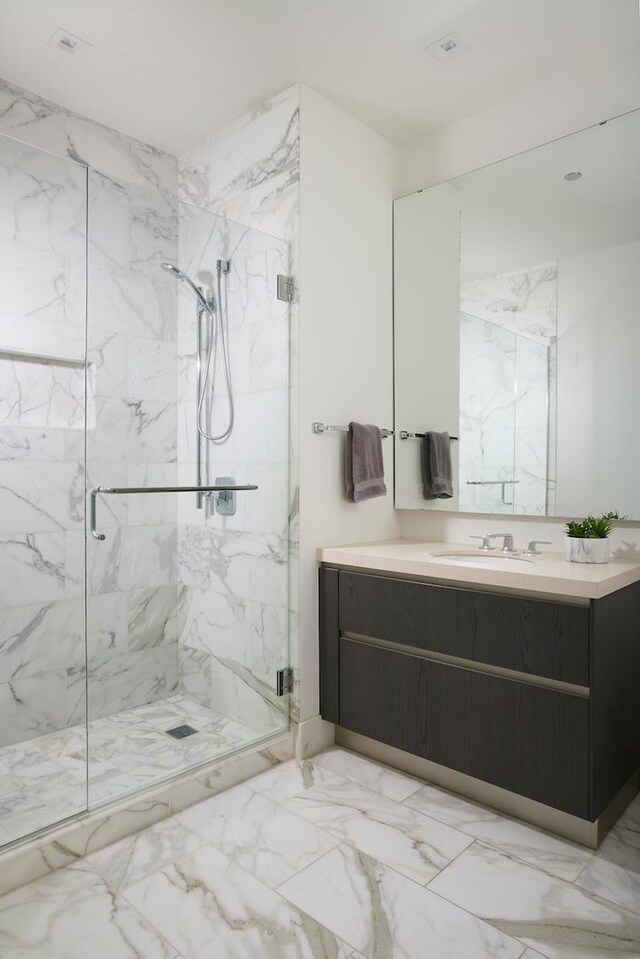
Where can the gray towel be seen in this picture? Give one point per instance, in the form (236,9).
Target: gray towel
(437,474)
(364,466)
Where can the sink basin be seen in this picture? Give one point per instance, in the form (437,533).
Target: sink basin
(486,560)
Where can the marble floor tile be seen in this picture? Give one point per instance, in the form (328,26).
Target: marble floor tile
(554,917)
(290,779)
(210,908)
(554,855)
(381,779)
(614,871)
(258,834)
(400,837)
(387,916)
(72,914)
(127,751)
(128,861)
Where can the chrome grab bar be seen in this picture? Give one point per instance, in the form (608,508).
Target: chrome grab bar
(108,490)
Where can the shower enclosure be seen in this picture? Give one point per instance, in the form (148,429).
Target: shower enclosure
(143,625)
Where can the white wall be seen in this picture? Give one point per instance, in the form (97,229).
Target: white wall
(552,110)
(598,409)
(349,176)
(426,310)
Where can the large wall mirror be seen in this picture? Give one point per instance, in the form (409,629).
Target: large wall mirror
(517,329)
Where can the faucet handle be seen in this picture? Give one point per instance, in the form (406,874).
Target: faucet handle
(486,542)
(532,548)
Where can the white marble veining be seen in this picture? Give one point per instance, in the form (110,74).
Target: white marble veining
(34,921)
(46,776)
(550,915)
(522,301)
(241,874)
(548,853)
(258,834)
(412,844)
(386,916)
(205,901)
(614,871)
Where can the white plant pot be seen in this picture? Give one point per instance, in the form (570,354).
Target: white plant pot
(586,550)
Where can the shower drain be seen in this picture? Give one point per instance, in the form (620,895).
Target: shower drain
(181,732)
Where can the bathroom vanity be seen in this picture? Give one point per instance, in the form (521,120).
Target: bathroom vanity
(517,686)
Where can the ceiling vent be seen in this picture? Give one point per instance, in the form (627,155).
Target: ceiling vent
(67,41)
(447,48)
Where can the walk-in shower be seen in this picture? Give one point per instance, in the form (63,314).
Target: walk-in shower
(127,613)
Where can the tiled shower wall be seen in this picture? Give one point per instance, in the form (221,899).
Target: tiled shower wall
(508,329)
(131,418)
(234,625)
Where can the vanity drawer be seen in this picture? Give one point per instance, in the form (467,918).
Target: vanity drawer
(530,740)
(533,636)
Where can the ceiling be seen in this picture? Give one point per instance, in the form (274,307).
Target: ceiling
(171,71)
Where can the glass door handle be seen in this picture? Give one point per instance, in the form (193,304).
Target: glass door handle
(125,490)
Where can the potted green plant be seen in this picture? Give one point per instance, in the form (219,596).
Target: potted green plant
(588,539)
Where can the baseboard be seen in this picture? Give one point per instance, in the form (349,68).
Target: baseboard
(312,736)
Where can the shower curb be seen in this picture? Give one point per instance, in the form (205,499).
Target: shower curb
(37,857)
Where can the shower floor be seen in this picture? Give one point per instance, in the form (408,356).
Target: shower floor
(44,780)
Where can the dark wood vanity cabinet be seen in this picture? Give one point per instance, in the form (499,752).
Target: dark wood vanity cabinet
(536,696)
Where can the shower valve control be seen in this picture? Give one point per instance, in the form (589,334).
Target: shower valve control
(225,500)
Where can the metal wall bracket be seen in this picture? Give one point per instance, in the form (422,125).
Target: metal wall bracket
(285,288)
(284,681)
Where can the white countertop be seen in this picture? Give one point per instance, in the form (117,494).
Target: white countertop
(548,573)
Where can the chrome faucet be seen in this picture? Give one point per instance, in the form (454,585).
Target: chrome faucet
(486,542)
(507,544)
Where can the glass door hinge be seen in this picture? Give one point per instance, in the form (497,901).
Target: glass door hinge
(285,288)
(284,681)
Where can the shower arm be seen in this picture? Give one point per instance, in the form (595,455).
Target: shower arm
(125,490)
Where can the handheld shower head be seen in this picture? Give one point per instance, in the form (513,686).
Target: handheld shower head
(183,278)
(170,268)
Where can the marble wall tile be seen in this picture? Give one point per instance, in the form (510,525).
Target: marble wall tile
(40,638)
(152,370)
(120,682)
(107,624)
(32,567)
(41,496)
(32,706)
(152,617)
(132,302)
(31,119)
(194,674)
(33,282)
(152,556)
(31,444)
(41,394)
(523,301)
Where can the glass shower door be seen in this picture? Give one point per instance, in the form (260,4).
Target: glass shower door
(187,599)
(43,777)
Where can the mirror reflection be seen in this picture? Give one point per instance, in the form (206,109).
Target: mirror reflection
(517,291)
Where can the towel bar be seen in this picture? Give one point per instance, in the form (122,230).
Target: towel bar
(406,435)
(327,428)
(125,490)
